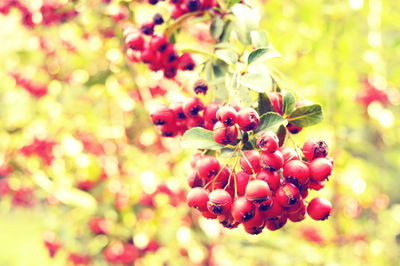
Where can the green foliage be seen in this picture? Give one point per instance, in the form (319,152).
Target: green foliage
(200,138)
(306,116)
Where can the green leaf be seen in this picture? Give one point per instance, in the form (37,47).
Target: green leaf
(246,21)
(227,55)
(281,134)
(288,103)
(245,96)
(232,2)
(259,38)
(261,55)
(260,82)
(200,138)
(270,120)
(264,104)
(256,54)
(305,116)
(217,28)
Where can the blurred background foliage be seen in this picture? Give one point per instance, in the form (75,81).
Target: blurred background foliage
(99,156)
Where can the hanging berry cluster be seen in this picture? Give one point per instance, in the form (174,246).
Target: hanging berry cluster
(246,172)
(49,13)
(155,50)
(182,7)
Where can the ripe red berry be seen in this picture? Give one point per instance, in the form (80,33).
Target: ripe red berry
(169,130)
(315,185)
(255,225)
(210,113)
(219,202)
(287,195)
(272,178)
(162,116)
(277,223)
(195,121)
(293,128)
(320,169)
(177,109)
(297,216)
(274,211)
(227,115)
(319,209)
(192,106)
(227,221)
(222,179)
(271,161)
(296,172)
(248,119)
(147,28)
(197,198)
(315,148)
(186,62)
(209,215)
(289,154)
(250,162)
(134,41)
(276,100)
(243,210)
(193,5)
(224,134)
(207,167)
(268,142)
(242,179)
(194,181)
(258,192)
(158,43)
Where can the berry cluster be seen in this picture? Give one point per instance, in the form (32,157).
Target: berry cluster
(270,189)
(41,148)
(182,7)
(155,50)
(36,90)
(50,13)
(181,116)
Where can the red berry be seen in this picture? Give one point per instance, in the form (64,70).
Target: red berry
(210,113)
(255,225)
(209,215)
(177,109)
(293,128)
(224,134)
(268,142)
(315,185)
(194,181)
(319,209)
(228,221)
(242,179)
(289,154)
(248,119)
(162,116)
(186,62)
(275,224)
(147,28)
(243,210)
(250,162)
(227,115)
(297,216)
(320,169)
(271,161)
(296,172)
(192,106)
(274,211)
(219,202)
(272,178)
(200,87)
(197,198)
(287,195)
(258,192)
(169,130)
(222,179)
(315,148)
(195,121)
(159,43)
(134,41)
(207,167)
(276,100)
